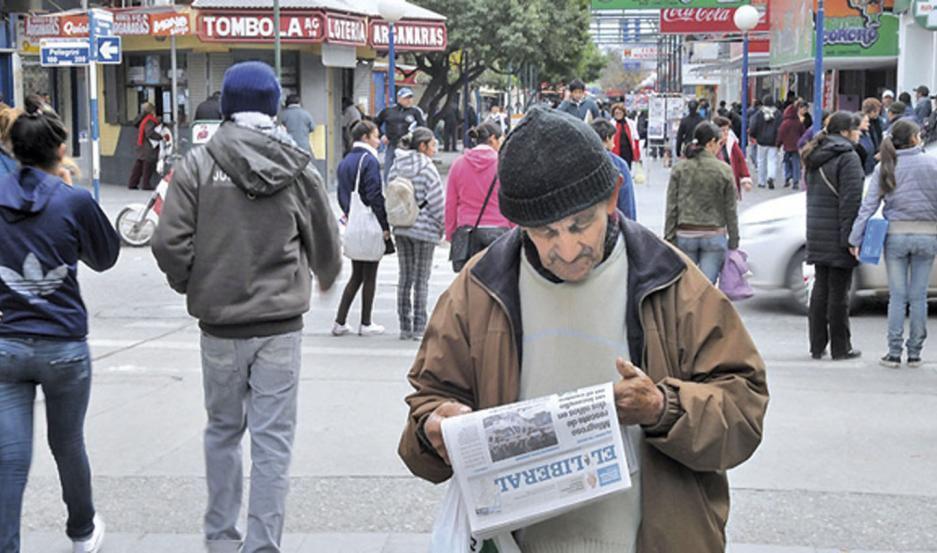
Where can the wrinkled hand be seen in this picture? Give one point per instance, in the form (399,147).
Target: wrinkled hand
(746,183)
(637,398)
(855,252)
(433,425)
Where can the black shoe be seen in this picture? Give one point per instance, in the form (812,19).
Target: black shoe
(851,354)
(787,183)
(890,361)
(770,184)
(816,356)
(915,362)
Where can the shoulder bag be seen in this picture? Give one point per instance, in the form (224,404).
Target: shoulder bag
(469,240)
(364,237)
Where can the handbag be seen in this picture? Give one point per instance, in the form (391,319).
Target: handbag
(733,280)
(364,237)
(469,240)
(873,241)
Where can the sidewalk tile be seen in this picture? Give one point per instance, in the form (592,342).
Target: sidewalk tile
(343,543)
(407,543)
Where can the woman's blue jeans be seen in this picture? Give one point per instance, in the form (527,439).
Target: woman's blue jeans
(63,369)
(908,259)
(709,253)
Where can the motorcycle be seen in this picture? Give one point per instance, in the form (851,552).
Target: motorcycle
(136,223)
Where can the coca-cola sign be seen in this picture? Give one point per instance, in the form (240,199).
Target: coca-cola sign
(692,21)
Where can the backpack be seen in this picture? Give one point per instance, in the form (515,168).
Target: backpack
(400,203)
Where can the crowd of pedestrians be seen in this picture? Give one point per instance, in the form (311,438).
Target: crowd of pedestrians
(542,219)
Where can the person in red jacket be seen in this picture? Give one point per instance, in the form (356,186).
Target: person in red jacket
(627,141)
(731,152)
(792,128)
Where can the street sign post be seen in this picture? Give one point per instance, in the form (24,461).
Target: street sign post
(66,53)
(100,29)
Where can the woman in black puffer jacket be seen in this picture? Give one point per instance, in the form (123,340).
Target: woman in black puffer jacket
(834,192)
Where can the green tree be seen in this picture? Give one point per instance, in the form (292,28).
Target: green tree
(614,74)
(507,37)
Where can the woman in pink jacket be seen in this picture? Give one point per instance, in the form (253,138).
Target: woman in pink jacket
(472,179)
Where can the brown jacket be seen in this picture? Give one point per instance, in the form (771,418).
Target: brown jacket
(690,340)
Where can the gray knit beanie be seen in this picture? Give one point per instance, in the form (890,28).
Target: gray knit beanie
(551,166)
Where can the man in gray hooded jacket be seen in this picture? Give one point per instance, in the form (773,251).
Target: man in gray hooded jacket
(246,219)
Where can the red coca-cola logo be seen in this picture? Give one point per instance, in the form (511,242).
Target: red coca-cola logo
(698,15)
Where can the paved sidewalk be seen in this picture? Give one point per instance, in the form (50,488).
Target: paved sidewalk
(47,542)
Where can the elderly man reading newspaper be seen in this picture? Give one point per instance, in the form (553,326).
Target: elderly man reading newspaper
(578,296)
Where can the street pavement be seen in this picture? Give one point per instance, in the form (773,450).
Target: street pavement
(847,462)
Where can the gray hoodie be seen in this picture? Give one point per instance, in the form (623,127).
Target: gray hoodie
(427,187)
(914,197)
(246,219)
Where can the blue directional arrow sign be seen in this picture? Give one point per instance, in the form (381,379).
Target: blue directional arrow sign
(107,49)
(65,53)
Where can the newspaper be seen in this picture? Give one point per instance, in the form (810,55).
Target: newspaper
(522,463)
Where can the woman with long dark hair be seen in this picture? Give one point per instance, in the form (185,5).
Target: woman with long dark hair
(906,181)
(46,227)
(834,191)
(360,173)
(702,217)
(416,243)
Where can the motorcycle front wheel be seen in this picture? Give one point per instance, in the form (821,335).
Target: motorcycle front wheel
(134,227)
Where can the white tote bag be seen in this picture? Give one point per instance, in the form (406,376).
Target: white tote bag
(451,533)
(364,237)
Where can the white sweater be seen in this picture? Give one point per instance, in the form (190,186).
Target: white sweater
(572,334)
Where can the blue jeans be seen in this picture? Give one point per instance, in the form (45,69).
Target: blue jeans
(63,369)
(908,259)
(708,253)
(767,164)
(792,168)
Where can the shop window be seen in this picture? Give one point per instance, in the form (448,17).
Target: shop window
(147,78)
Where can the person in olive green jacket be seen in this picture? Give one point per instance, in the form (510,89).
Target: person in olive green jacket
(702,216)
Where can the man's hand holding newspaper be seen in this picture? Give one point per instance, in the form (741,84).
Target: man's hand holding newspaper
(637,400)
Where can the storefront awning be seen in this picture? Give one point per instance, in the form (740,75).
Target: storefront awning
(346,22)
(367,8)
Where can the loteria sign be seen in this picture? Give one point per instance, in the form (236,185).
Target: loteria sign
(125,24)
(692,21)
(410,35)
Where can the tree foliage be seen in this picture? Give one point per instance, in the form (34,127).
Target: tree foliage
(614,75)
(506,37)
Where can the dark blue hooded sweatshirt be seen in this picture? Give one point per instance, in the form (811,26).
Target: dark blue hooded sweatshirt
(46,227)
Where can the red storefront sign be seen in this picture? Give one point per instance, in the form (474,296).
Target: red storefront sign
(410,35)
(346,29)
(693,21)
(254,26)
(125,24)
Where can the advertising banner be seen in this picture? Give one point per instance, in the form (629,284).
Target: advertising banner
(694,21)
(663,4)
(125,24)
(409,35)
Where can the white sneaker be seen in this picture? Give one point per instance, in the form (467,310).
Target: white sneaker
(92,544)
(372,329)
(341,330)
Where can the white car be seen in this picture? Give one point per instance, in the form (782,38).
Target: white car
(774,235)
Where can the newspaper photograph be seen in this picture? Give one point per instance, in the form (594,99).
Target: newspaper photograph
(522,463)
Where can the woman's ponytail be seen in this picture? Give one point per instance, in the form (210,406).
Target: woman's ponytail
(900,137)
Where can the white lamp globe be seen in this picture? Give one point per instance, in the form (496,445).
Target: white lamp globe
(391,10)
(746,18)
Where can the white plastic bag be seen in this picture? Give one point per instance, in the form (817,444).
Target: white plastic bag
(364,237)
(451,533)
